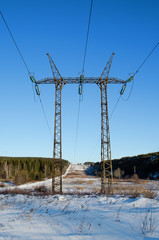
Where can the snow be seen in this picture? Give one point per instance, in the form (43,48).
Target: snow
(77,217)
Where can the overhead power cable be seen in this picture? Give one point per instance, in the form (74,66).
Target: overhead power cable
(95,146)
(114,107)
(15,43)
(126,99)
(42,106)
(146,59)
(139,69)
(83,67)
(133,80)
(85,51)
(29,73)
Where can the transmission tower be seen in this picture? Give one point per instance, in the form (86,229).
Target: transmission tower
(57,150)
(102,82)
(106,163)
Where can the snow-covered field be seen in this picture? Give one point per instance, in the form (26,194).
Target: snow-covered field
(77,216)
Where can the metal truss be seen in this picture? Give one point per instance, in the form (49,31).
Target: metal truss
(76,80)
(57,150)
(102,82)
(106,163)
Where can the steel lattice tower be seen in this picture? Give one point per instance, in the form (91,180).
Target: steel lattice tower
(57,150)
(102,82)
(106,163)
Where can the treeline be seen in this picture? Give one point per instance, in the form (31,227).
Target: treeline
(24,169)
(145,166)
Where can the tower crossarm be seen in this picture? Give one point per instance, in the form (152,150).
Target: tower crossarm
(76,80)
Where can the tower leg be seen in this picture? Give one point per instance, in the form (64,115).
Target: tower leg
(106,163)
(57,151)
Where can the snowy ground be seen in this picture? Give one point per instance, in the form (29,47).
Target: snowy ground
(77,217)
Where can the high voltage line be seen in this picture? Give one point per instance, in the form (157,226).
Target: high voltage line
(29,73)
(82,76)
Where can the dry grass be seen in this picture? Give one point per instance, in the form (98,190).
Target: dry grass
(78,174)
(2,185)
(17,191)
(79,182)
(90,182)
(42,189)
(79,188)
(72,175)
(83,182)
(150,194)
(134,191)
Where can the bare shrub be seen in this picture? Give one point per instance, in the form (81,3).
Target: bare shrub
(127,190)
(118,215)
(41,189)
(15,191)
(2,173)
(31,210)
(148,222)
(135,194)
(118,173)
(134,191)
(135,178)
(149,194)
(2,185)
(21,177)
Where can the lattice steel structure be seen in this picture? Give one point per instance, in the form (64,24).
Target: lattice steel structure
(106,163)
(102,82)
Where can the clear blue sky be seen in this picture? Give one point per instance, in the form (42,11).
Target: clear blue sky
(130,28)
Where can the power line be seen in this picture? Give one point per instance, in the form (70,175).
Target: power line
(146,59)
(80,96)
(133,80)
(115,106)
(129,92)
(85,51)
(95,146)
(42,106)
(15,43)
(126,99)
(138,71)
(29,73)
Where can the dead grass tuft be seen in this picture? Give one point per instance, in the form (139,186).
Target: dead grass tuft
(16,191)
(42,189)
(134,191)
(79,188)
(2,185)
(150,194)
(135,178)
(79,182)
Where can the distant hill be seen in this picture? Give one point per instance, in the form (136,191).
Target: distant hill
(146,166)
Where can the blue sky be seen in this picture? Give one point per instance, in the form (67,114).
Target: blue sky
(129,28)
